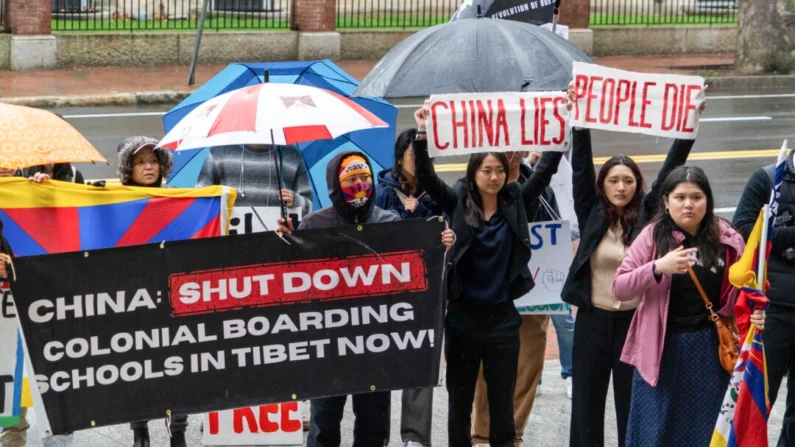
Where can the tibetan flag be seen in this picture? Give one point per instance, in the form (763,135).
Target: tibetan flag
(743,415)
(56,217)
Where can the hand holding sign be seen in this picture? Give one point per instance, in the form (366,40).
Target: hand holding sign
(4,259)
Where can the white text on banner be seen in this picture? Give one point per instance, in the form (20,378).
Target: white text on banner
(466,123)
(663,105)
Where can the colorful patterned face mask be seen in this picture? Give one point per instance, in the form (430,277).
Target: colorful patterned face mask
(357,195)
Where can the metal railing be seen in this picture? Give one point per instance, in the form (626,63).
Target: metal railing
(663,12)
(168,15)
(394,13)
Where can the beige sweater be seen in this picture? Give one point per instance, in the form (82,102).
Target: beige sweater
(605,260)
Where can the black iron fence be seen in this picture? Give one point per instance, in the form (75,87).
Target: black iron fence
(663,12)
(394,13)
(168,15)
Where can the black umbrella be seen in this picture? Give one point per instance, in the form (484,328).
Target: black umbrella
(474,55)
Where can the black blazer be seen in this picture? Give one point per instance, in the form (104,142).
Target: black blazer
(511,203)
(591,215)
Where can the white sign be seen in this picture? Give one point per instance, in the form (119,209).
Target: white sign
(247,219)
(560,30)
(662,105)
(466,123)
(550,243)
(275,424)
(11,362)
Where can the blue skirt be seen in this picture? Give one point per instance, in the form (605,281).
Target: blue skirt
(682,409)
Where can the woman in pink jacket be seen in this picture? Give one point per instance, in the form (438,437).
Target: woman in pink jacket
(678,383)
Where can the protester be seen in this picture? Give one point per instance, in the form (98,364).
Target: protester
(398,191)
(252,170)
(678,383)
(564,323)
(140,163)
(489,217)
(63,172)
(349,176)
(611,211)
(780,331)
(532,332)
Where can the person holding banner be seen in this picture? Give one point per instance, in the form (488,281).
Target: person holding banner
(676,264)
(141,163)
(350,180)
(489,217)
(611,211)
(398,191)
(14,435)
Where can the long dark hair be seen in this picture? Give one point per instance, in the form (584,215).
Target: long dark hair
(629,218)
(60,171)
(402,143)
(474,204)
(708,237)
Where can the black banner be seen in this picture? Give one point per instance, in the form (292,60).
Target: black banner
(126,334)
(537,12)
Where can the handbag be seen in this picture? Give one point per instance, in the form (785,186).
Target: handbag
(728,334)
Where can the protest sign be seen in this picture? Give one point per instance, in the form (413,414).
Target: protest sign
(466,123)
(250,219)
(528,11)
(218,323)
(549,265)
(273,424)
(664,105)
(11,360)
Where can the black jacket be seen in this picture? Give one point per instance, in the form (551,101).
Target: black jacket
(511,203)
(756,194)
(340,213)
(591,215)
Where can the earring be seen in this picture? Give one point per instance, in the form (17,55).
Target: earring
(667,211)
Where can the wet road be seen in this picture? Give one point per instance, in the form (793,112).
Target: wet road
(739,134)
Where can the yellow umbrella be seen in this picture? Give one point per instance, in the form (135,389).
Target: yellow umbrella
(35,137)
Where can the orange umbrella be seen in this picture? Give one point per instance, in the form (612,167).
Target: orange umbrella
(35,137)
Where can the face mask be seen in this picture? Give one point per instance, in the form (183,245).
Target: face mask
(357,195)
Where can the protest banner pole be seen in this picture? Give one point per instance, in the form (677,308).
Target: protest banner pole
(191,79)
(760,265)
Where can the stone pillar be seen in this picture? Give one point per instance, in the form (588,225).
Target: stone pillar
(576,14)
(316,21)
(32,42)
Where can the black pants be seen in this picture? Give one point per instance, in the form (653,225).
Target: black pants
(780,355)
(599,338)
(371,428)
(179,423)
(489,334)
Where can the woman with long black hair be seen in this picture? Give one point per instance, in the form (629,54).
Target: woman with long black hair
(611,211)
(678,383)
(488,270)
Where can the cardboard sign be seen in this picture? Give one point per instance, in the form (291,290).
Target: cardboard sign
(664,105)
(497,122)
(248,219)
(274,424)
(550,243)
(11,360)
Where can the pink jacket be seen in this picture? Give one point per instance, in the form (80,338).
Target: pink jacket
(644,346)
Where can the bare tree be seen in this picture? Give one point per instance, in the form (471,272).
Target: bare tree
(766,37)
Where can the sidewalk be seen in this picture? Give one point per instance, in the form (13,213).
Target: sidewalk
(114,80)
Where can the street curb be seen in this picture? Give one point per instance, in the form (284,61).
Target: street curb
(721,83)
(113,99)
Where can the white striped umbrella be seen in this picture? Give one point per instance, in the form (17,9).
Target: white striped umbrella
(281,114)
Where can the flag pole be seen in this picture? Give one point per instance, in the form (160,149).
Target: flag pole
(761,257)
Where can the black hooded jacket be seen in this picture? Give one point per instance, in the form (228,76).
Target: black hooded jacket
(340,213)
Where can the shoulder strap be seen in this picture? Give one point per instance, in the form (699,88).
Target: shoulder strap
(707,303)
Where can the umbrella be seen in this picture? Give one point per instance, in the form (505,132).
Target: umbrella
(475,55)
(279,114)
(35,137)
(519,10)
(376,143)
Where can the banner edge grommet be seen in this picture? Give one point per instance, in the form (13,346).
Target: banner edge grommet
(294,396)
(85,254)
(359,228)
